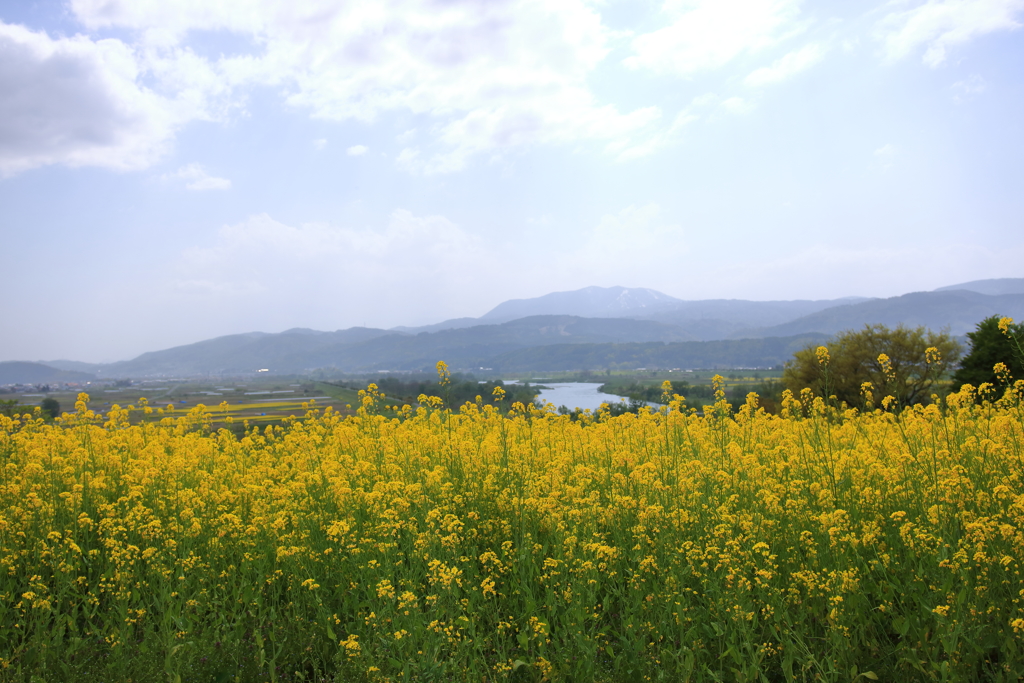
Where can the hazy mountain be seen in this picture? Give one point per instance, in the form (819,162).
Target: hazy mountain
(724,318)
(453,324)
(744,353)
(995,287)
(24,372)
(589,302)
(957,310)
(299,350)
(73,365)
(475,346)
(241,353)
(617,324)
(703,319)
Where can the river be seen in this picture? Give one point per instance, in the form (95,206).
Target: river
(576,395)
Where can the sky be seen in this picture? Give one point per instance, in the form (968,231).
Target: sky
(176,170)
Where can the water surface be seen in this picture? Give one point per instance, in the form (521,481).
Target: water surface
(576,395)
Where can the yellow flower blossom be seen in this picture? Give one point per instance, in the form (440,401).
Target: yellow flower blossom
(650,538)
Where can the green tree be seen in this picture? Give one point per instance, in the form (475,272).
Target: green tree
(10,407)
(990,345)
(51,408)
(902,362)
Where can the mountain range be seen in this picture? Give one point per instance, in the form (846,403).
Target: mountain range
(703,320)
(594,327)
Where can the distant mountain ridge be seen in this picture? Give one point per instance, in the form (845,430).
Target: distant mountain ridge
(25,372)
(710,318)
(589,302)
(616,317)
(995,287)
(244,353)
(356,349)
(727,353)
(955,310)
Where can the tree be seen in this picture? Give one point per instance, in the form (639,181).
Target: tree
(903,363)
(990,345)
(9,408)
(51,408)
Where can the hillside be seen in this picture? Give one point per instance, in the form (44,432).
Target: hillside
(705,319)
(710,319)
(241,353)
(24,372)
(736,318)
(73,365)
(476,346)
(743,353)
(995,287)
(357,349)
(958,311)
(537,342)
(632,326)
(589,302)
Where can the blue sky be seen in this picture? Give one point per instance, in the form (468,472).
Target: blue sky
(174,170)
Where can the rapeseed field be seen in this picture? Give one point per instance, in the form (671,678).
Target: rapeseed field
(507,542)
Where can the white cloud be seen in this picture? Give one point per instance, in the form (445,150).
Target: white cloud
(492,76)
(260,237)
(196,178)
(736,105)
(320,143)
(707,34)
(416,266)
(885,155)
(965,90)
(634,235)
(707,105)
(357,150)
(941,24)
(409,160)
(79,102)
(704,100)
(429,264)
(480,78)
(787,66)
(629,149)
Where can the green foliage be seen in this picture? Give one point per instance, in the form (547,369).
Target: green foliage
(854,360)
(989,346)
(10,407)
(697,395)
(51,408)
(653,393)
